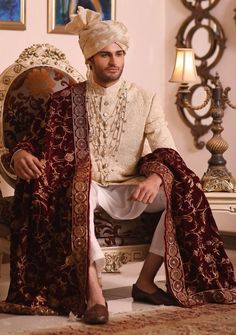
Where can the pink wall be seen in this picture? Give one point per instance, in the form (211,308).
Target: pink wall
(153,25)
(146,55)
(197,159)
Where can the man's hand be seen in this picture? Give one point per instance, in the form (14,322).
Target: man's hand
(146,191)
(26,166)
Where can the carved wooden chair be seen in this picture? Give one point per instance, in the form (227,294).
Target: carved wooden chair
(25,87)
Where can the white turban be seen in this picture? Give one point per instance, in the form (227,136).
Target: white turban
(95,34)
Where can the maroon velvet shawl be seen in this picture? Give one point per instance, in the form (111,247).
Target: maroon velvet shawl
(49,231)
(197,268)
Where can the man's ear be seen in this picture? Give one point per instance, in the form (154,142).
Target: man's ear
(90,62)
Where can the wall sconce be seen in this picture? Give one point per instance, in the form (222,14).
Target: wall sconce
(217,178)
(184,73)
(202,31)
(185,69)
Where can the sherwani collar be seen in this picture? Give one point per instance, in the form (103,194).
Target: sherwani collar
(111,90)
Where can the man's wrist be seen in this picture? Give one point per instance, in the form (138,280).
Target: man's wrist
(12,159)
(156,178)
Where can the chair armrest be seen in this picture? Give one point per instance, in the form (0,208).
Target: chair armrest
(6,170)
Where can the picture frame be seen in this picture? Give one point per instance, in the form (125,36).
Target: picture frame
(60,11)
(13,14)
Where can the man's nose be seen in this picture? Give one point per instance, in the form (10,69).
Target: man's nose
(113,60)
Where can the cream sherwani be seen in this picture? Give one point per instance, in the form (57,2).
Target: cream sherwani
(113,175)
(144,120)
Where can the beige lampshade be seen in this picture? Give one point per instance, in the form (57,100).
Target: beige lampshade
(185,69)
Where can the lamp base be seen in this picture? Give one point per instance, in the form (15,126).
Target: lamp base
(218,179)
(184,88)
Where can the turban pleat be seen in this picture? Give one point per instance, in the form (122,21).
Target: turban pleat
(95,34)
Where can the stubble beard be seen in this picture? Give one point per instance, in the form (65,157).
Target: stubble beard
(109,77)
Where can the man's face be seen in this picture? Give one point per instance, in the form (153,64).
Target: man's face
(107,65)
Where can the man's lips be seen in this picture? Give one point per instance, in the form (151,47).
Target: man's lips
(112,69)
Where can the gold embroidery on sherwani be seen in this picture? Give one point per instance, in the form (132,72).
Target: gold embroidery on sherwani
(107,127)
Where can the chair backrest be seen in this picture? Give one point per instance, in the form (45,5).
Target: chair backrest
(25,87)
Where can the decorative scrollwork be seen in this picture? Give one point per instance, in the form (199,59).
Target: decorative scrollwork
(115,260)
(204,5)
(187,104)
(200,22)
(118,256)
(226,98)
(186,109)
(232,209)
(42,51)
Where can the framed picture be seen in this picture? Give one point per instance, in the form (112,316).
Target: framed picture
(60,11)
(12,14)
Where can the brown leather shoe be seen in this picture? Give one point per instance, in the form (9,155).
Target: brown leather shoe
(97,314)
(159,297)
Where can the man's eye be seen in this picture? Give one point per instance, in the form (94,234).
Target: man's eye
(120,54)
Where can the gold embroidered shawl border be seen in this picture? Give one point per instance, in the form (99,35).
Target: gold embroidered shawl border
(173,261)
(81,186)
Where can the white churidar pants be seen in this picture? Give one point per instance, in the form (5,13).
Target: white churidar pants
(114,199)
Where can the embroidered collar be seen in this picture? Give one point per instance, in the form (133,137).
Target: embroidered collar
(111,90)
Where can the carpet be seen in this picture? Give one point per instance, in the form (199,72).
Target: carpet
(203,320)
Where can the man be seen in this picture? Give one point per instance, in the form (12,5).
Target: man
(85,153)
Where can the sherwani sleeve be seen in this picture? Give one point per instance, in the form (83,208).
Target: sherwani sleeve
(156,128)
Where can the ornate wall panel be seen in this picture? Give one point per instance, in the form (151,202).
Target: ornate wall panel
(204,33)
